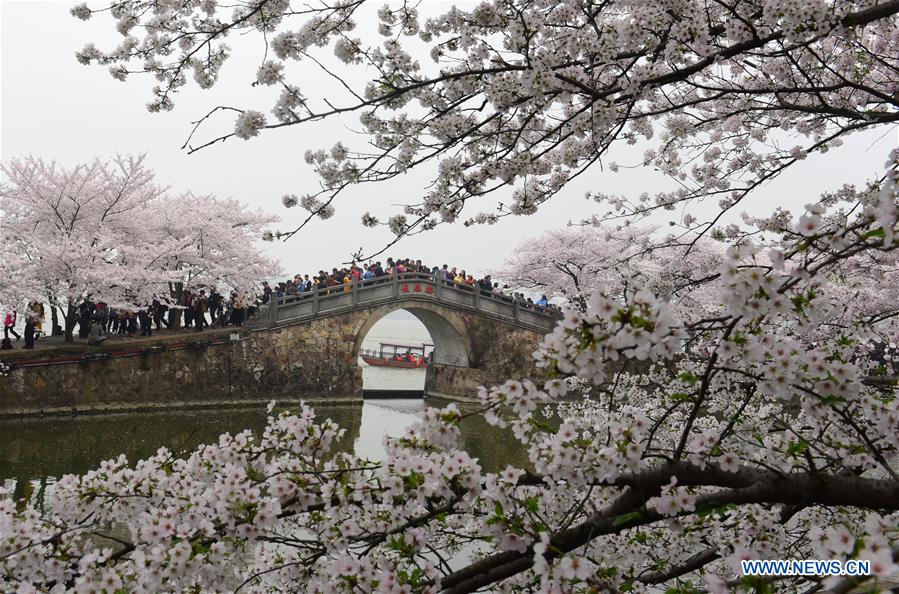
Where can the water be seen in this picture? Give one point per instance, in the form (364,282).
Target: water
(34,452)
(402,327)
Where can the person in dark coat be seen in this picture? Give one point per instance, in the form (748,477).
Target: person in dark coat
(188,302)
(215,305)
(159,310)
(237,309)
(200,306)
(29,332)
(132,324)
(85,315)
(101,316)
(146,322)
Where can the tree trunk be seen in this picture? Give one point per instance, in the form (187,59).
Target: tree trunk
(176,292)
(174,318)
(54,319)
(70,323)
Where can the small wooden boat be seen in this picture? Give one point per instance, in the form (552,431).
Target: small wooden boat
(400,356)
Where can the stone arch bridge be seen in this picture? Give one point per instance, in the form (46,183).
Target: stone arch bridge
(306,348)
(311,344)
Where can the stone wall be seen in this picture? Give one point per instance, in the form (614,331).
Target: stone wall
(313,359)
(316,360)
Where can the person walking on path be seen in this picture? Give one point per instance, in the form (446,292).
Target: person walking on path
(215,305)
(38,321)
(159,311)
(131,318)
(9,323)
(29,330)
(187,300)
(101,315)
(85,315)
(200,305)
(237,309)
(146,321)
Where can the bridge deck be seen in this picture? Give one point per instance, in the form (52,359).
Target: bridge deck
(408,287)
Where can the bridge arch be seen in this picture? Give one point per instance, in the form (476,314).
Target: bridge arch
(452,345)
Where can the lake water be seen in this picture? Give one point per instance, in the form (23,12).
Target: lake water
(33,452)
(402,327)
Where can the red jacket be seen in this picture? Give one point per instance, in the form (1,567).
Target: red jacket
(10,319)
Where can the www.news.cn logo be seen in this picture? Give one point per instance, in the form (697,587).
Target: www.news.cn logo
(805,567)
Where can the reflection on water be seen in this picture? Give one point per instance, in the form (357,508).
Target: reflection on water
(34,451)
(388,378)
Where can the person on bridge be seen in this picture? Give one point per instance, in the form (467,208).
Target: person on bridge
(486,285)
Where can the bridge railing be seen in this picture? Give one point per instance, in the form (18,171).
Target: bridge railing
(410,285)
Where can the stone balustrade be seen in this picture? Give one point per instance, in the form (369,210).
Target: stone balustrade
(406,287)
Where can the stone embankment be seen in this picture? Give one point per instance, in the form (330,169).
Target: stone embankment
(213,368)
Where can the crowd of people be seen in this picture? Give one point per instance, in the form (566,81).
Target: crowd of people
(190,310)
(34,326)
(97,319)
(343,279)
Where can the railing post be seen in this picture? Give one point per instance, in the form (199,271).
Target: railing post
(396,284)
(439,292)
(315,304)
(515,311)
(477,297)
(272,306)
(355,293)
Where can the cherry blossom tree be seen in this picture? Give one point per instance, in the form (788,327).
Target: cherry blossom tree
(525,96)
(106,230)
(204,241)
(579,260)
(70,226)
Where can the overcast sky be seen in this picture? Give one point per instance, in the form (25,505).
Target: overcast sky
(55,108)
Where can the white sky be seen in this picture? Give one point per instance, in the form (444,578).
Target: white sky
(55,108)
